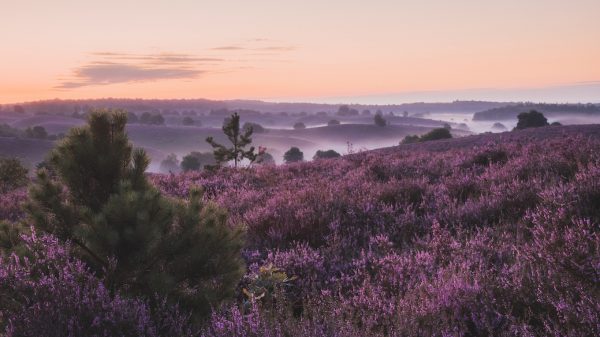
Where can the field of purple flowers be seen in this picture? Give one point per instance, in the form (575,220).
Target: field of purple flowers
(500,236)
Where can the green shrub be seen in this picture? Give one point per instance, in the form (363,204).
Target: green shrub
(12,174)
(139,241)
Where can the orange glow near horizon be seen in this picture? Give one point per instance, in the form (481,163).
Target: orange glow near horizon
(292,50)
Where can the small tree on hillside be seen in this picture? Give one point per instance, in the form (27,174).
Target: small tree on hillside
(531,119)
(138,241)
(293,155)
(239,140)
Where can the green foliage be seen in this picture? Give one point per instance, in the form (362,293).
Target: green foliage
(142,242)
(326,154)
(435,134)
(239,140)
(531,119)
(196,160)
(12,174)
(293,155)
(379,120)
(10,238)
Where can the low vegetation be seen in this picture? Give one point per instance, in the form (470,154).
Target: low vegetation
(497,237)
(435,134)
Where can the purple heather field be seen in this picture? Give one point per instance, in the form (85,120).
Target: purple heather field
(485,235)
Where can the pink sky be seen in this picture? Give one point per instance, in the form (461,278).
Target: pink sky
(296,50)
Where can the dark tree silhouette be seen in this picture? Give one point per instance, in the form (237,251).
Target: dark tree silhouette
(326,154)
(299,126)
(239,140)
(531,119)
(379,120)
(293,155)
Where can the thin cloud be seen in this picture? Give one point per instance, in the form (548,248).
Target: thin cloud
(114,67)
(123,68)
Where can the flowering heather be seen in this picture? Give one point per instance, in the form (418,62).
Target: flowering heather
(494,235)
(49,293)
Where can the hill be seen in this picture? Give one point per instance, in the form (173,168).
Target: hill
(473,236)
(550,110)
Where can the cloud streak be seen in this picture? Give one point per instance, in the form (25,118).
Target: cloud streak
(107,67)
(112,73)
(113,68)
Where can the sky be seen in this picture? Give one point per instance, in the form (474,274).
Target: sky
(376,51)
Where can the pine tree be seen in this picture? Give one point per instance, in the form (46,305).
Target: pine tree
(239,138)
(140,241)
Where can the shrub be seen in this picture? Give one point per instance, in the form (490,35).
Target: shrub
(326,154)
(299,126)
(256,128)
(410,139)
(333,122)
(197,160)
(12,174)
(293,155)
(531,119)
(436,134)
(149,118)
(265,159)
(38,132)
(50,293)
(102,202)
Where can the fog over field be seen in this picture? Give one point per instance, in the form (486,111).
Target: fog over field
(356,130)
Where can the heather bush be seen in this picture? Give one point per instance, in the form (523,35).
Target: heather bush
(50,293)
(498,237)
